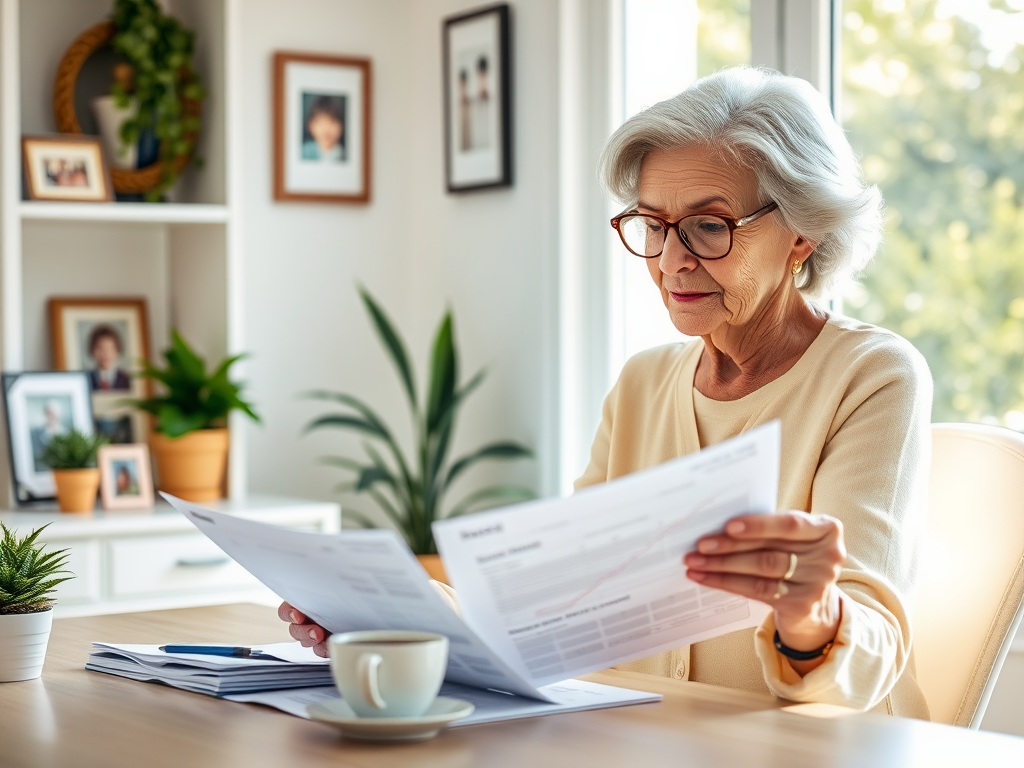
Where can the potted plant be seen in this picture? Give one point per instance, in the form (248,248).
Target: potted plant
(190,435)
(411,491)
(28,578)
(161,94)
(72,457)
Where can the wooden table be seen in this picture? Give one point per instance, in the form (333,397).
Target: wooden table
(77,719)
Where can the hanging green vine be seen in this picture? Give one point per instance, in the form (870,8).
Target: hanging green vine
(159,50)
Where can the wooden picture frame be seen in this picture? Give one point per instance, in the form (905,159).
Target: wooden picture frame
(66,168)
(39,405)
(126,481)
(322,128)
(108,339)
(477,77)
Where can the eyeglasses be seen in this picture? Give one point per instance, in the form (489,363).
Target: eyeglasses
(705,235)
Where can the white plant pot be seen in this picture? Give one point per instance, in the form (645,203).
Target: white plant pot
(109,119)
(23,638)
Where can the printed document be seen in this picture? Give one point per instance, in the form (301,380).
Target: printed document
(355,581)
(548,590)
(562,587)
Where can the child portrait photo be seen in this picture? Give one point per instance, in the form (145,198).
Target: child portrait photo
(321,128)
(107,339)
(126,481)
(323,137)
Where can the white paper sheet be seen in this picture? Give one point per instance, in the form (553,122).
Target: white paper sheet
(356,581)
(568,696)
(563,587)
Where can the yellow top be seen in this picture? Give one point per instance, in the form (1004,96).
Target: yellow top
(855,413)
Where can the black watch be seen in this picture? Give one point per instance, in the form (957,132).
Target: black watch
(795,655)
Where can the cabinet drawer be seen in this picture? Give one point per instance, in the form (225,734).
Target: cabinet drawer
(84,562)
(154,565)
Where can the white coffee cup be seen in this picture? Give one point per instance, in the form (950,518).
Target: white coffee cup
(388,673)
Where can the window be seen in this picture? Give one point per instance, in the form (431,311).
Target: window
(931,99)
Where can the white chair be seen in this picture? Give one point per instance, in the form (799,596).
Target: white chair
(969,601)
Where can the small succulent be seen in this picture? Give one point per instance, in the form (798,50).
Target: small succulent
(28,576)
(72,450)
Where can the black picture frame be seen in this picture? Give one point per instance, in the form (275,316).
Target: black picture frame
(478,100)
(29,397)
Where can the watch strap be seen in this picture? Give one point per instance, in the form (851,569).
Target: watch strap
(795,655)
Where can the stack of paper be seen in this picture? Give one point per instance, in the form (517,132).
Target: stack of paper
(292,667)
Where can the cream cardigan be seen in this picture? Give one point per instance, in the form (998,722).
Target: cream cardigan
(855,413)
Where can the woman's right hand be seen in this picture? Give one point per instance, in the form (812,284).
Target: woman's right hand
(303,629)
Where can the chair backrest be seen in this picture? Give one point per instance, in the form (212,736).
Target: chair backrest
(971,585)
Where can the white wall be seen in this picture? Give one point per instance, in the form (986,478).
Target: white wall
(491,255)
(304,324)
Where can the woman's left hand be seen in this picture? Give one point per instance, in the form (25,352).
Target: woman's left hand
(752,558)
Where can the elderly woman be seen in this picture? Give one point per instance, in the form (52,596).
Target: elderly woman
(744,198)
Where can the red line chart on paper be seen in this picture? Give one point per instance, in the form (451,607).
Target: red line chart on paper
(636,555)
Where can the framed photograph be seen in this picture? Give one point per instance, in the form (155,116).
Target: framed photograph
(125,478)
(67,167)
(478,100)
(322,128)
(108,339)
(39,406)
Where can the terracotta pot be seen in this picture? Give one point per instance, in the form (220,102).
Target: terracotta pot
(23,638)
(76,489)
(434,567)
(192,466)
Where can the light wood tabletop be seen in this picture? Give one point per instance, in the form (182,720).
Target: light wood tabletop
(78,719)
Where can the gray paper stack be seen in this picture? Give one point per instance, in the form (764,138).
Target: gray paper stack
(292,667)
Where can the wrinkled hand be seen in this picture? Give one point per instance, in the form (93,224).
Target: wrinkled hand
(303,629)
(751,557)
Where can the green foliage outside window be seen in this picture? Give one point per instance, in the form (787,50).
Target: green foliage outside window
(938,119)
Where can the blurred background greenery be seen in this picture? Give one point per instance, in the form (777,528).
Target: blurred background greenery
(932,98)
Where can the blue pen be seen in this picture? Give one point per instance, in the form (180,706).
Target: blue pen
(208,650)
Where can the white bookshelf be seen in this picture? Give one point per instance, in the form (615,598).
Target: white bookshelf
(184,257)
(137,213)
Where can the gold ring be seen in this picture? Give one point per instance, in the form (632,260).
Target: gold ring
(792,567)
(780,589)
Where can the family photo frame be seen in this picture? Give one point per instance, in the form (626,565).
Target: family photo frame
(107,338)
(477,100)
(126,481)
(66,168)
(38,407)
(322,128)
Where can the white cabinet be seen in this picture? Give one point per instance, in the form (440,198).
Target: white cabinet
(129,561)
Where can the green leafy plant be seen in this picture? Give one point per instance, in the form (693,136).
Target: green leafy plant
(159,50)
(72,450)
(28,576)
(411,491)
(192,398)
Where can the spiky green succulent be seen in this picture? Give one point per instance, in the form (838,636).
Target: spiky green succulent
(28,576)
(72,450)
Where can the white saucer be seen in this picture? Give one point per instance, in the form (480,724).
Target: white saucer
(339,714)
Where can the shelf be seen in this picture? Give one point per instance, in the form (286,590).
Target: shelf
(163,517)
(146,213)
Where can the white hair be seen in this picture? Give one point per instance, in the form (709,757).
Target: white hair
(782,129)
